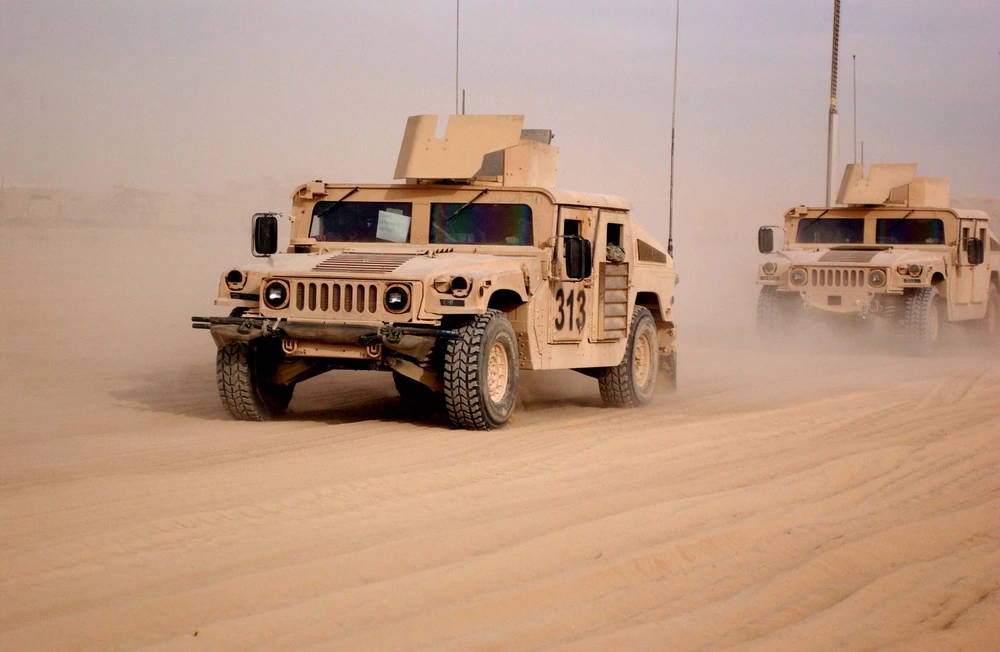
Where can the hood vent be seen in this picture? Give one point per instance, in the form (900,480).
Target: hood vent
(363,263)
(848,256)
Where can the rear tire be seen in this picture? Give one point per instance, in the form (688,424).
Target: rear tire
(633,381)
(242,371)
(990,324)
(480,373)
(923,319)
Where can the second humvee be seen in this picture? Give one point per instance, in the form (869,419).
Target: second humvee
(891,249)
(472,269)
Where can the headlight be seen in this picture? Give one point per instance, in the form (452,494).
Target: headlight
(769,268)
(460,286)
(915,270)
(235,279)
(397,299)
(876,278)
(798,276)
(442,284)
(275,295)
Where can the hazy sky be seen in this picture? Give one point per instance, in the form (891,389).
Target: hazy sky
(196,93)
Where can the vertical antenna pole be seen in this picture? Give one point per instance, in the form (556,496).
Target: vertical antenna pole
(463,101)
(457,2)
(673,134)
(831,136)
(854,98)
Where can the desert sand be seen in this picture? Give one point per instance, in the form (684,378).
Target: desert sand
(835,497)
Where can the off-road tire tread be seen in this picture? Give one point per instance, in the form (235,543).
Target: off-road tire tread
(236,385)
(616,382)
(916,324)
(462,394)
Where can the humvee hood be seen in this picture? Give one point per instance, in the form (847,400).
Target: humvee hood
(411,265)
(867,257)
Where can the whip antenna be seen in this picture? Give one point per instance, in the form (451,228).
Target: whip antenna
(673,134)
(831,136)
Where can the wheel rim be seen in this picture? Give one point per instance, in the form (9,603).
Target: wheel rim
(497,372)
(642,363)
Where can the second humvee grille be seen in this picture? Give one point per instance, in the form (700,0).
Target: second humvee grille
(363,263)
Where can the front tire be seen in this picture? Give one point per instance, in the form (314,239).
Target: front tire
(633,381)
(243,371)
(480,373)
(923,319)
(777,312)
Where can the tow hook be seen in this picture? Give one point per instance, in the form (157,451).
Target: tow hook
(390,334)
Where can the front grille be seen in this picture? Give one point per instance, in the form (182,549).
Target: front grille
(340,299)
(836,278)
(336,296)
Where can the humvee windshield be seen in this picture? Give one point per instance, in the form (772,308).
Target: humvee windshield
(494,224)
(831,230)
(909,231)
(361,221)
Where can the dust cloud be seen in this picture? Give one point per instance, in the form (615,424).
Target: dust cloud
(829,493)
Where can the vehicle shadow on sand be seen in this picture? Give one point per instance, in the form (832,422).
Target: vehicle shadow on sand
(336,398)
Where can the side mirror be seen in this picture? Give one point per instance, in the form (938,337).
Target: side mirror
(765,239)
(264,234)
(578,253)
(976,251)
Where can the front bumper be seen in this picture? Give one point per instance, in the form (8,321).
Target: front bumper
(306,339)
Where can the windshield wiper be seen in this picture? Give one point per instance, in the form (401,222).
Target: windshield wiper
(816,219)
(465,205)
(336,204)
(892,229)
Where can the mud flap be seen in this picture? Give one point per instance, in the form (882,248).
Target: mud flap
(668,371)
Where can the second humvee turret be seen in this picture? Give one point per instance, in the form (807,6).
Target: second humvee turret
(891,249)
(470,270)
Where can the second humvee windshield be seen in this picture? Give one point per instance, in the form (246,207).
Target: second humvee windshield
(888,231)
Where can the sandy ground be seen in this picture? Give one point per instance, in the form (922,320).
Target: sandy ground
(778,501)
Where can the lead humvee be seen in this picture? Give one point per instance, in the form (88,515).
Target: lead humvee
(891,249)
(472,269)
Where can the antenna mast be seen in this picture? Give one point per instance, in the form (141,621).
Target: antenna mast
(854,98)
(831,136)
(673,134)
(457,3)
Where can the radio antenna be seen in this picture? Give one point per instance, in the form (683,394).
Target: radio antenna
(854,98)
(457,3)
(831,136)
(673,134)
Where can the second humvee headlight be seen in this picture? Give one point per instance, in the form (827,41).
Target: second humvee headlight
(798,276)
(876,278)
(275,295)
(769,267)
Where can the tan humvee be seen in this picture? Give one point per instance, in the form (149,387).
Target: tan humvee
(471,270)
(891,249)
